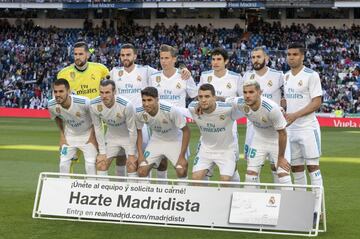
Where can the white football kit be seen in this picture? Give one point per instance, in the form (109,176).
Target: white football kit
(217,141)
(78,124)
(166,138)
(304,133)
(121,134)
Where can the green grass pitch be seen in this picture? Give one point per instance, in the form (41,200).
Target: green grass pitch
(28,147)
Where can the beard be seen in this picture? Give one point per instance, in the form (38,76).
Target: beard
(259,66)
(128,63)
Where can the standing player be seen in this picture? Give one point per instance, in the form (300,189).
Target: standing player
(130,79)
(226,83)
(271,83)
(217,141)
(121,136)
(74,111)
(303,97)
(269,139)
(170,134)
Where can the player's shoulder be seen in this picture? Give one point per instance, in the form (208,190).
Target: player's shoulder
(210,72)
(139,109)
(308,70)
(158,73)
(223,104)
(193,104)
(274,71)
(121,100)
(165,106)
(65,70)
(239,100)
(51,103)
(95,101)
(82,100)
(233,73)
(268,104)
(97,65)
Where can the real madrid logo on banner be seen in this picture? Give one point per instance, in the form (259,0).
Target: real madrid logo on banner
(300,83)
(118,115)
(209,79)
(222,117)
(121,73)
(138,78)
(246,109)
(178,86)
(252,77)
(78,114)
(269,83)
(99,108)
(145,117)
(57,109)
(228,86)
(72,75)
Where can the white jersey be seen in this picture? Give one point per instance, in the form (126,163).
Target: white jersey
(130,84)
(299,91)
(266,120)
(120,121)
(270,83)
(173,89)
(77,120)
(165,125)
(216,128)
(230,85)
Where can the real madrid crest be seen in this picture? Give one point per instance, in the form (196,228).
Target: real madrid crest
(222,117)
(57,109)
(246,109)
(99,108)
(118,115)
(93,77)
(78,114)
(228,86)
(72,75)
(158,79)
(178,86)
(145,117)
(209,79)
(252,77)
(263,119)
(269,83)
(138,78)
(300,83)
(121,73)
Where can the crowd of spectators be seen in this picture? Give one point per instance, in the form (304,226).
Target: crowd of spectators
(31,56)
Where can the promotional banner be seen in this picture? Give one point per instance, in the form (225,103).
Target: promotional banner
(214,206)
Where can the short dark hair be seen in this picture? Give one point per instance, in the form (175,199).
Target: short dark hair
(209,87)
(220,51)
(62,81)
(150,91)
(297,45)
(129,46)
(106,82)
(167,48)
(81,44)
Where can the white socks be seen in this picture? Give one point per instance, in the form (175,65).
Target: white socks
(300,178)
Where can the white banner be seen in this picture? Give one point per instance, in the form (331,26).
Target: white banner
(141,202)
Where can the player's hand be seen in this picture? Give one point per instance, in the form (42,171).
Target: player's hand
(284,164)
(100,158)
(181,163)
(283,103)
(132,163)
(92,139)
(141,159)
(290,118)
(198,110)
(185,73)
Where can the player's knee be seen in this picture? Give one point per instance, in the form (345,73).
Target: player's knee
(142,172)
(253,170)
(102,166)
(225,178)
(121,160)
(313,168)
(163,165)
(297,168)
(181,172)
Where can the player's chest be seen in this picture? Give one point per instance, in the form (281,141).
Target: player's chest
(170,87)
(296,85)
(225,88)
(113,117)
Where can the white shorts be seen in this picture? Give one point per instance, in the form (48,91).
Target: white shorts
(146,134)
(156,150)
(305,144)
(225,160)
(248,137)
(115,151)
(259,152)
(68,152)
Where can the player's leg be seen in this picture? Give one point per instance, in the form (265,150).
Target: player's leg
(66,154)
(131,163)
(226,162)
(202,164)
(120,167)
(236,175)
(90,152)
(256,159)
(162,169)
(102,165)
(297,160)
(152,158)
(172,151)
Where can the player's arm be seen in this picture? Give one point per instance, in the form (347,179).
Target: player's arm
(313,106)
(139,140)
(60,124)
(185,73)
(282,162)
(240,86)
(98,131)
(191,88)
(184,146)
(130,123)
